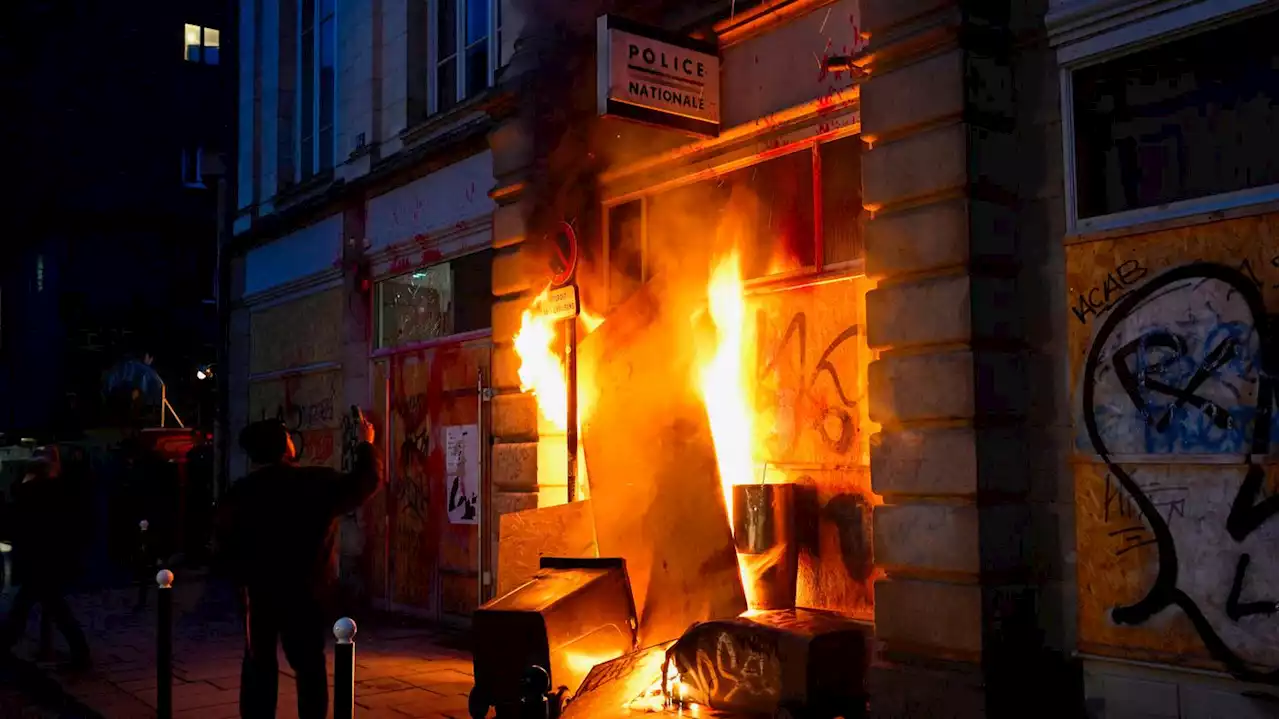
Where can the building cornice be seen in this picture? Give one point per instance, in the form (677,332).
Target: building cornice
(399,169)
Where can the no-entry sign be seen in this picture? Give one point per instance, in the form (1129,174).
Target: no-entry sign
(564,256)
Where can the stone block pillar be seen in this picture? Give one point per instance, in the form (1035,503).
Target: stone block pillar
(956,614)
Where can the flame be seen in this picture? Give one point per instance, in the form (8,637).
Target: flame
(722,378)
(543,374)
(723,382)
(541,371)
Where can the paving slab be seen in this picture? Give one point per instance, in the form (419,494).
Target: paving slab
(401,671)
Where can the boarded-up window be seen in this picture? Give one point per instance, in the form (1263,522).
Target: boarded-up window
(1186,119)
(296,333)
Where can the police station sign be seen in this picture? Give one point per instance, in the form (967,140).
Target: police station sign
(658,78)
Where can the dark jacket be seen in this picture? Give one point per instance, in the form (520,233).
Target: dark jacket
(47,532)
(276,527)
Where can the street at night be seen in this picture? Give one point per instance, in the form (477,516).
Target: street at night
(585,359)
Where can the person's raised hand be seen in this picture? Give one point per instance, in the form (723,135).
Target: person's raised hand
(366,430)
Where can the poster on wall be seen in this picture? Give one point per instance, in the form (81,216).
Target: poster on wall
(462,472)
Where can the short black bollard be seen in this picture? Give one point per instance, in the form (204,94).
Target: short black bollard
(164,644)
(344,669)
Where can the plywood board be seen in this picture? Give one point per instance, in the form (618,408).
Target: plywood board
(810,358)
(310,405)
(300,332)
(430,391)
(564,530)
(655,489)
(1172,340)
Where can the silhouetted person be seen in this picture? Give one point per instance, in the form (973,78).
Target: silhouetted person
(46,548)
(276,535)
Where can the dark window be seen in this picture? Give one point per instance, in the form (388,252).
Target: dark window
(328,84)
(307,46)
(1190,118)
(437,301)
(464,49)
(446,54)
(767,209)
(841,200)
(626,251)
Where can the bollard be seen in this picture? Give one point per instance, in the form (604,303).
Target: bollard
(344,669)
(164,644)
(143,563)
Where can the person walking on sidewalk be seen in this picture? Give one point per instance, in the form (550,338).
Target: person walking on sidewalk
(276,530)
(46,545)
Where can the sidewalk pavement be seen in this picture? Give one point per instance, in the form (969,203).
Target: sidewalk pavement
(401,671)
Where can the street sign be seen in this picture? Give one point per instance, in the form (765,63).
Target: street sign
(562,302)
(564,260)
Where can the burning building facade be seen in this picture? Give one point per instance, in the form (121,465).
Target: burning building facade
(827,350)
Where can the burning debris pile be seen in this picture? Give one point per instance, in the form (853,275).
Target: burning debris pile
(707,547)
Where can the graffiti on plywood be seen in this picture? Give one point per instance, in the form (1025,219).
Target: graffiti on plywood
(1181,365)
(432,391)
(810,359)
(306,405)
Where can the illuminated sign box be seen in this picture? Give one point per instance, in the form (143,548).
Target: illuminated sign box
(657,78)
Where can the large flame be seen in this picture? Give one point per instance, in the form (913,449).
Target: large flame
(543,373)
(722,378)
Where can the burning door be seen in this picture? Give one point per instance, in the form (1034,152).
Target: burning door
(435,430)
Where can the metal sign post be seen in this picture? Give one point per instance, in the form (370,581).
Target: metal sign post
(564,301)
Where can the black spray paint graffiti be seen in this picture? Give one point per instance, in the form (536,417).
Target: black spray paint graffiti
(300,420)
(1248,512)
(843,413)
(1097,300)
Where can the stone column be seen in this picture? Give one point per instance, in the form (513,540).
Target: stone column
(956,614)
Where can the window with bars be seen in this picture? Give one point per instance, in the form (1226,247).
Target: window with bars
(801,212)
(464,45)
(317,101)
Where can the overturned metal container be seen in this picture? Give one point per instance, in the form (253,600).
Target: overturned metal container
(572,615)
(764,533)
(809,662)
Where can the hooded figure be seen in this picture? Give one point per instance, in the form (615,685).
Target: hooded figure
(276,531)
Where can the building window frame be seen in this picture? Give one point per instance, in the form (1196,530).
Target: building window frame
(1087,34)
(316,136)
(206,39)
(439,97)
(820,266)
(459,293)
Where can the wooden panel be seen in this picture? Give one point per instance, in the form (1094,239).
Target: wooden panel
(810,363)
(833,528)
(564,530)
(1172,348)
(297,333)
(310,405)
(655,489)
(430,390)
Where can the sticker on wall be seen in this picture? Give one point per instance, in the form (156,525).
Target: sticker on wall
(462,472)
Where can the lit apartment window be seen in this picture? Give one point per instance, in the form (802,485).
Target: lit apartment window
(466,37)
(201,44)
(317,40)
(192,171)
